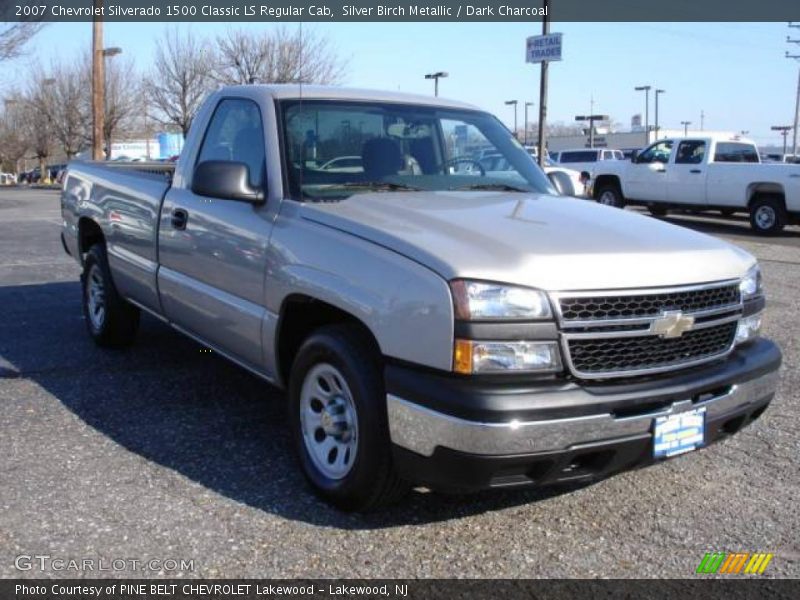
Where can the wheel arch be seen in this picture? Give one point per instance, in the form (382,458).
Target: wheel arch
(607,180)
(89,234)
(300,315)
(760,189)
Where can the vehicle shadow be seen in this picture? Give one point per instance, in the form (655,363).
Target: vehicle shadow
(175,403)
(734,225)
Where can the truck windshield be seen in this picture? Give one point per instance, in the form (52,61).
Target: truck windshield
(334,149)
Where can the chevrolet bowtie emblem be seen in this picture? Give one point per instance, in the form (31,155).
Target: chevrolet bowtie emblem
(672,324)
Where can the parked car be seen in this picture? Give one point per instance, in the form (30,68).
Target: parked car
(708,173)
(586,160)
(566,181)
(444,328)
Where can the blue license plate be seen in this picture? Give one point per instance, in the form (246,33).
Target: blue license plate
(679,433)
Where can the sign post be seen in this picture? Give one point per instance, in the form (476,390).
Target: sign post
(542,49)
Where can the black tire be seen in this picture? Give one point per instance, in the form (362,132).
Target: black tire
(372,481)
(656,210)
(610,195)
(768,215)
(117,325)
(727,212)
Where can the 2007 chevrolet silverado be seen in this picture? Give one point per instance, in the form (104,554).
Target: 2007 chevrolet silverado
(435,324)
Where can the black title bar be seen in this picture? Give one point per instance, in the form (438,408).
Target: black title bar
(400,10)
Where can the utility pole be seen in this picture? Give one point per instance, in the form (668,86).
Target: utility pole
(702,120)
(543,90)
(686,127)
(797,98)
(98,83)
(514,104)
(527,104)
(646,89)
(784,129)
(658,93)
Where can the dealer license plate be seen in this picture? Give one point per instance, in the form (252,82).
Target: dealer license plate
(679,433)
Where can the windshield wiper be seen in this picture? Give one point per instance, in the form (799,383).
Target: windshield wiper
(500,187)
(377,185)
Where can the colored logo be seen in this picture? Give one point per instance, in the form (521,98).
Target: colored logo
(734,563)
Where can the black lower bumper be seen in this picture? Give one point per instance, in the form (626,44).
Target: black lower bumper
(450,469)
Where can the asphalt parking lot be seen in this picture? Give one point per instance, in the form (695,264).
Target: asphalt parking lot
(164,452)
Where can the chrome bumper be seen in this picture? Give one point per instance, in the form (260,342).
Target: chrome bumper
(421,430)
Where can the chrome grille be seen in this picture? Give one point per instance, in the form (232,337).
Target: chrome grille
(620,333)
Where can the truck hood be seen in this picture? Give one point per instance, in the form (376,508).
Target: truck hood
(549,242)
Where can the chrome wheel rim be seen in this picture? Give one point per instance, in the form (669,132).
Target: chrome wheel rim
(765,217)
(96,297)
(328,421)
(608,198)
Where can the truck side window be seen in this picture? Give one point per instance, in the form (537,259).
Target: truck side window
(658,152)
(235,133)
(690,153)
(736,152)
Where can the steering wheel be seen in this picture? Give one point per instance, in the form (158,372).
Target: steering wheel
(464,159)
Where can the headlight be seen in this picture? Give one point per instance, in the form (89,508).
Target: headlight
(493,357)
(748,328)
(751,284)
(475,301)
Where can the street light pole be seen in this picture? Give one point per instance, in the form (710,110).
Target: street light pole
(107,53)
(436,76)
(44,172)
(514,104)
(797,98)
(98,82)
(646,89)
(686,127)
(527,104)
(658,93)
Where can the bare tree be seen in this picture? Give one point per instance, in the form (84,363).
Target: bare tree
(36,111)
(122,100)
(14,142)
(67,106)
(180,79)
(277,56)
(14,36)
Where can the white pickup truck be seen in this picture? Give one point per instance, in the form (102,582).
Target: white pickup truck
(710,173)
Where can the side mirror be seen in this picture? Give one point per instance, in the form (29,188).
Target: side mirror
(635,156)
(225,180)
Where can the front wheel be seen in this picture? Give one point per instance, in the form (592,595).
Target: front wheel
(610,195)
(112,322)
(337,413)
(767,215)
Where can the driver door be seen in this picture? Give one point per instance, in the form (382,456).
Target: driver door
(647,176)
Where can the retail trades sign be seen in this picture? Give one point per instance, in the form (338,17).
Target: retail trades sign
(540,48)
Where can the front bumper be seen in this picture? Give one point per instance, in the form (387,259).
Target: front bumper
(455,434)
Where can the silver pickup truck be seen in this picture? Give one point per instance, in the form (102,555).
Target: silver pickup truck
(434,324)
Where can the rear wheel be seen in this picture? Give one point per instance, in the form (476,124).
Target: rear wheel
(610,195)
(111,321)
(337,411)
(767,215)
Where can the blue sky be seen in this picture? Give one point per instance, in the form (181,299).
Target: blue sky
(735,72)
